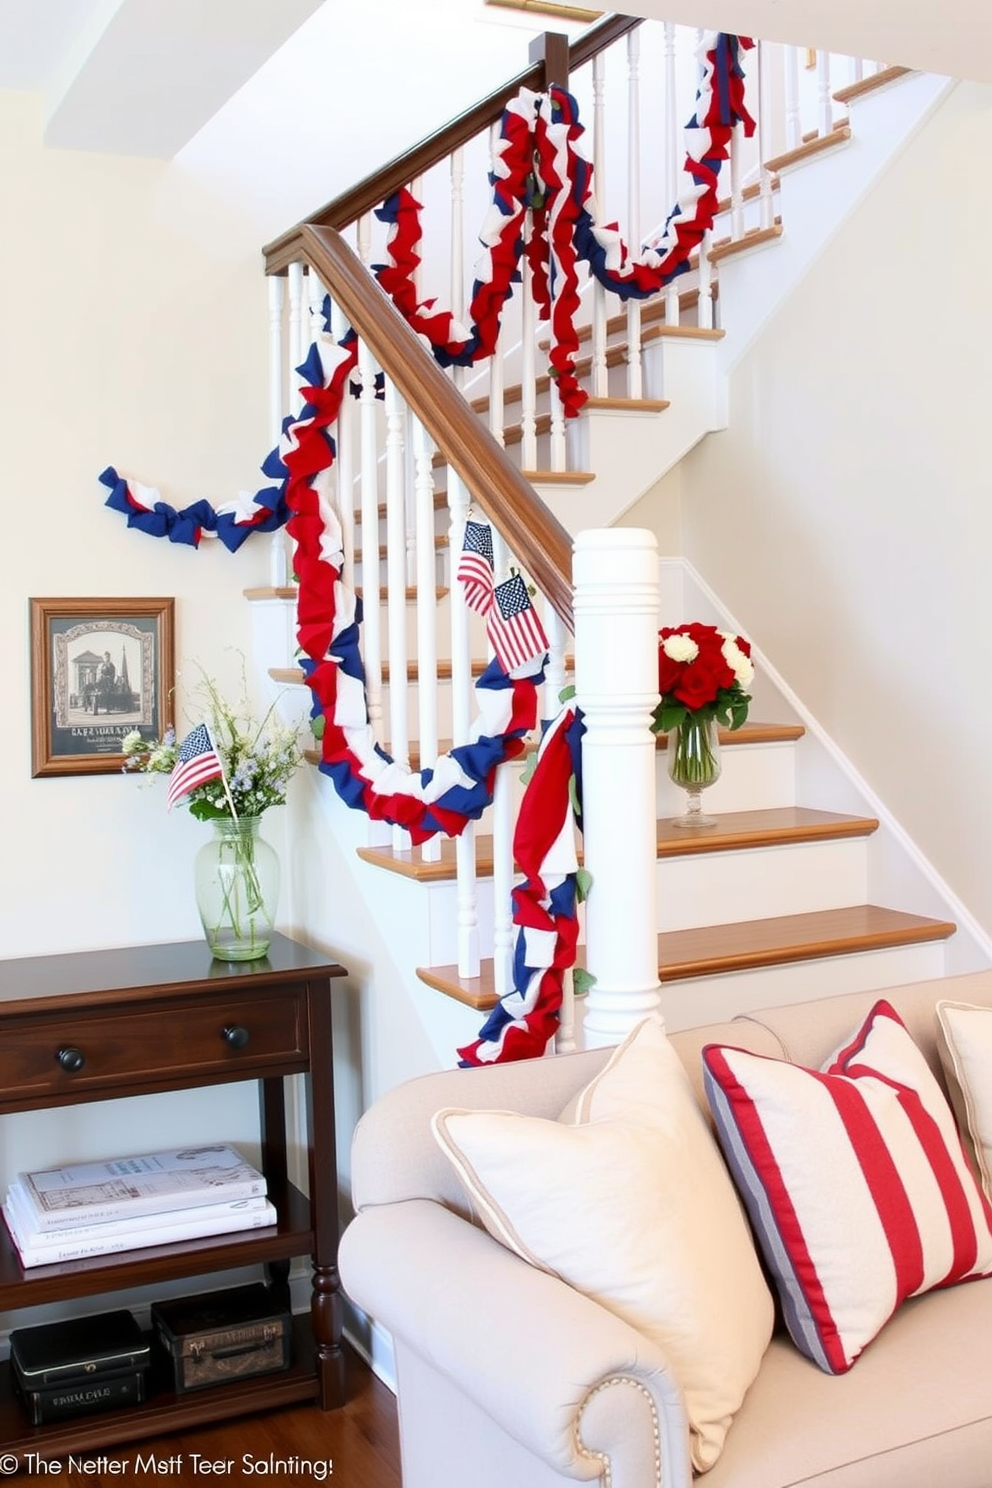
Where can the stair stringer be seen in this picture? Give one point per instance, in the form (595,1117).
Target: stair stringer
(899,874)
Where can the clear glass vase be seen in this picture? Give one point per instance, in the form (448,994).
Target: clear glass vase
(237,889)
(694,763)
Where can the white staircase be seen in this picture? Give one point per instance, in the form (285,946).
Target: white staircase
(804,887)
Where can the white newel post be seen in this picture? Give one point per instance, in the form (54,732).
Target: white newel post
(615,573)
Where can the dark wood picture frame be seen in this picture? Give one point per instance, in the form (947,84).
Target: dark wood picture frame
(99,668)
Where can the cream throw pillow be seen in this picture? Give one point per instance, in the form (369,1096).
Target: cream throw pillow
(964,1042)
(632,1205)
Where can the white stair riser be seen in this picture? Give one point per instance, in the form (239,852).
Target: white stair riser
(711,889)
(700,1000)
(755,777)
(758,884)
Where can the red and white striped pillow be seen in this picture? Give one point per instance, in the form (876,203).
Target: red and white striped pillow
(855,1182)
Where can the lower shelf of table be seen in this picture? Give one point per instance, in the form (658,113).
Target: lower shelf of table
(162,1412)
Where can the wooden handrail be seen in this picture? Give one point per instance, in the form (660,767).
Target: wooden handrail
(539,540)
(374,189)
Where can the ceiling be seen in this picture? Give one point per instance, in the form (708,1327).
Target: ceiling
(141,77)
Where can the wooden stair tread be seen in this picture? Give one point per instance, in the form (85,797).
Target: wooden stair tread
(272,591)
(807,150)
(410,594)
(751,732)
(711,949)
(756,238)
(735,830)
(440,542)
(785,938)
(629,405)
(867,85)
(559,477)
(769,828)
(440,501)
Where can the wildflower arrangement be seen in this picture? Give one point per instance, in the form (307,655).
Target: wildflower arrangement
(258,757)
(703,674)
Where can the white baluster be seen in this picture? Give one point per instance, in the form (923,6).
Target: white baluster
(672,153)
(496,378)
(616,677)
(504,933)
(600,371)
(297,314)
(555,681)
(765,151)
(634,380)
(528,399)
(793,122)
(736,187)
(457,168)
(565,1037)
(399,728)
(345,462)
(371,593)
(461,691)
(824,100)
(426,580)
(704,313)
(279,545)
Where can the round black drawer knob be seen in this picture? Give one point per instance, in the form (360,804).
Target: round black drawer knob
(235,1036)
(71,1060)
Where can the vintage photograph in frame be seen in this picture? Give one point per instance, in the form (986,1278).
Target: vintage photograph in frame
(99,668)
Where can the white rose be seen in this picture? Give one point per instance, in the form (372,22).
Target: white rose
(131,741)
(741,665)
(680,648)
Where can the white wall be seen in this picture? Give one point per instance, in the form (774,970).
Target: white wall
(845,515)
(135,334)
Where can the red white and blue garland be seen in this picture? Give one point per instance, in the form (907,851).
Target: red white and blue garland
(545,903)
(539,170)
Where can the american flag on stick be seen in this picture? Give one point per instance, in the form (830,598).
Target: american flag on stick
(475,567)
(513,625)
(197,761)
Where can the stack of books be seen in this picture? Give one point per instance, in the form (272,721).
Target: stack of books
(93,1209)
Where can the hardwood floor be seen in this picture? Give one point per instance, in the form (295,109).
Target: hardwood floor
(355,1447)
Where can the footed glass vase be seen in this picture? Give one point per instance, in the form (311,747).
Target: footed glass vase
(694,763)
(237,889)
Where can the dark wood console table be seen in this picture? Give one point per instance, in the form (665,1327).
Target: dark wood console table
(134,1021)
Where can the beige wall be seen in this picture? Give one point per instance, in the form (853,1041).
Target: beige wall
(845,517)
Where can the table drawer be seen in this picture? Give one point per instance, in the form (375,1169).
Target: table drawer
(223,1038)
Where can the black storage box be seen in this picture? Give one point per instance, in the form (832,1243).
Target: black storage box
(221,1336)
(78,1398)
(79,1365)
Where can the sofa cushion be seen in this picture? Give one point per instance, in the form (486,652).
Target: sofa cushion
(964,1042)
(631,1204)
(855,1181)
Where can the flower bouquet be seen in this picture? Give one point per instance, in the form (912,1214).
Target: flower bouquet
(703,674)
(230,770)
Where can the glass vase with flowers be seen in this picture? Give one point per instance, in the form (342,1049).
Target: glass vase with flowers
(703,676)
(230,769)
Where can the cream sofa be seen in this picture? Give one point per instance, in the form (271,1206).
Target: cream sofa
(508,1378)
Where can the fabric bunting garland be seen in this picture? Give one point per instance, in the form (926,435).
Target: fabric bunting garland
(544,905)
(540,174)
(539,169)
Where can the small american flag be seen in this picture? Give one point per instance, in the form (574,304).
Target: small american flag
(197,761)
(475,567)
(513,625)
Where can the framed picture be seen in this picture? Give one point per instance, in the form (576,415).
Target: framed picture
(99,668)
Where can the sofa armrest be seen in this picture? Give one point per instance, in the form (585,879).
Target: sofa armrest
(571,1382)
